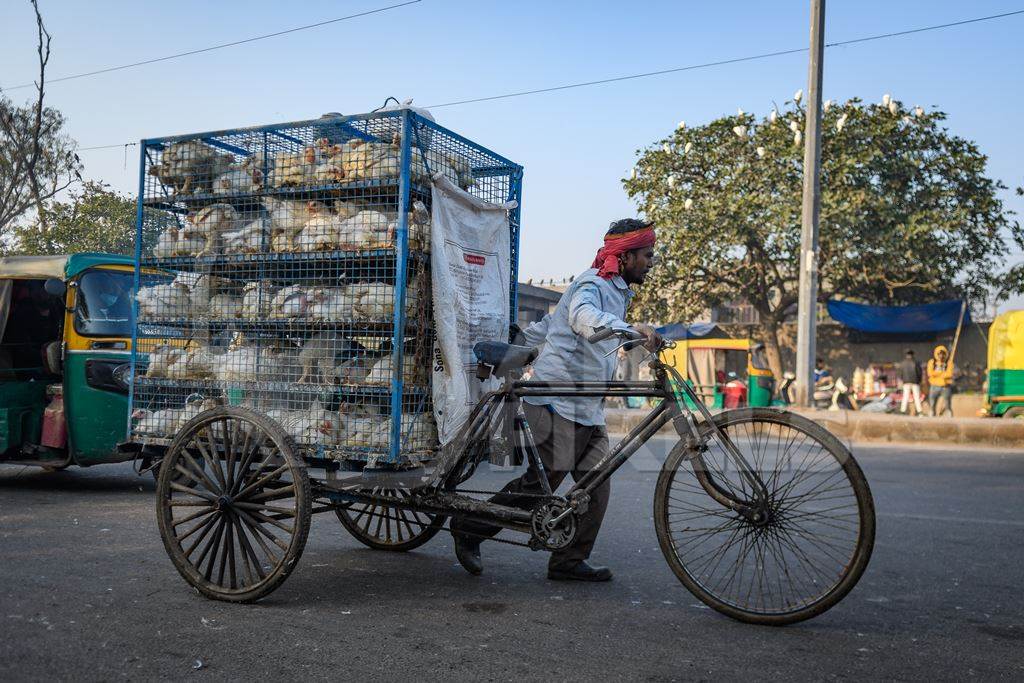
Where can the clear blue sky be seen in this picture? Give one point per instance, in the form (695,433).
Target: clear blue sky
(575,145)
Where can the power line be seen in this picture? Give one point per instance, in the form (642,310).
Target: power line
(692,67)
(216,47)
(723,62)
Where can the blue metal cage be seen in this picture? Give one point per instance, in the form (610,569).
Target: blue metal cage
(286,268)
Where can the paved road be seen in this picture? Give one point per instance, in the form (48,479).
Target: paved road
(88,593)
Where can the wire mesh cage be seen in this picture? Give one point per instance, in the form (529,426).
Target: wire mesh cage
(286,268)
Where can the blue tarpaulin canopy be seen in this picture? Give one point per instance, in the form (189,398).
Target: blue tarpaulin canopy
(936,317)
(693,331)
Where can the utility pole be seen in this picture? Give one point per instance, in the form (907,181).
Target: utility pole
(807,305)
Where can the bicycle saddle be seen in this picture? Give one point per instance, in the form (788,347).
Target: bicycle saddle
(503,357)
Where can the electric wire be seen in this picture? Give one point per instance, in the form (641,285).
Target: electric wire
(216,47)
(723,62)
(691,67)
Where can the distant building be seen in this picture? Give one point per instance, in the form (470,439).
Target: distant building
(535,302)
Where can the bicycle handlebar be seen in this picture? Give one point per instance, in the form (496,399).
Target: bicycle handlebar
(605,332)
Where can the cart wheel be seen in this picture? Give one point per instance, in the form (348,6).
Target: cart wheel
(233,504)
(383,527)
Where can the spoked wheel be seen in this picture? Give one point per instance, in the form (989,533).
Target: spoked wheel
(233,504)
(384,527)
(808,549)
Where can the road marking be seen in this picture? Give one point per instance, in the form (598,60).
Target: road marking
(964,520)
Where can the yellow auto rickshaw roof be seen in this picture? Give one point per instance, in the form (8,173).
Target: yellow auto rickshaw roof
(1006,342)
(31,267)
(724,344)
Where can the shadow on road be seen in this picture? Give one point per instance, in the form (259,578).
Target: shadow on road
(27,478)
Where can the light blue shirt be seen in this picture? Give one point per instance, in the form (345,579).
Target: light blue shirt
(567,356)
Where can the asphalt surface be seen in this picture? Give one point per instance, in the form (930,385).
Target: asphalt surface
(89,594)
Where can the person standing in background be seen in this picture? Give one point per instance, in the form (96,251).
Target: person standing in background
(940,381)
(910,376)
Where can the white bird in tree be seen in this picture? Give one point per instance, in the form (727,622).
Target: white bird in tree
(682,125)
(794,126)
(760,152)
(671,181)
(773,116)
(893,107)
(797,137)
(666,148)
(841,122)
(632,174)
(688,204)
(918,111)
(798,95)
(906,119)
(826,105)
(741,131)
(886,99)
(688,147)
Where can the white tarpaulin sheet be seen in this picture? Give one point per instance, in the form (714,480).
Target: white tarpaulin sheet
(470,275)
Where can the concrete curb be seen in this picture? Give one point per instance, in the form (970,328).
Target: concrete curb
(856,427)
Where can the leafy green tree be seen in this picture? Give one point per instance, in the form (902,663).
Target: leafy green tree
(92,219)
(908,214)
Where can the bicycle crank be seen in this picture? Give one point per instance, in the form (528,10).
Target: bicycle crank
(554,526)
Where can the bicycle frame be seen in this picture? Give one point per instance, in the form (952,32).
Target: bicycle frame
(505,404)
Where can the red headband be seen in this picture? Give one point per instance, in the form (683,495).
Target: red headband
(607,260)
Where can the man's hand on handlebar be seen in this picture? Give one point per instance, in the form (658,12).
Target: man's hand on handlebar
(651,340)
(654,340)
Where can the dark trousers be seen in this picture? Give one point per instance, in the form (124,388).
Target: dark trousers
(564,446)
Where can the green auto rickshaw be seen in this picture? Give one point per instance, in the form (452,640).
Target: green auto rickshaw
(65,349)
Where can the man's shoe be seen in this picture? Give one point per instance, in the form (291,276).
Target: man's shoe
(467,550)
(581,571)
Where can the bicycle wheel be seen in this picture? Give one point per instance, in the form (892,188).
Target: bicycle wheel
(233,504)
(812,546)
(384,527)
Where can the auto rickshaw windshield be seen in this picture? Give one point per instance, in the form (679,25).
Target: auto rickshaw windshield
(104,304)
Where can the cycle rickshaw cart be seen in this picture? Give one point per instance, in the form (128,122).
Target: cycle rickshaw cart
(312,396)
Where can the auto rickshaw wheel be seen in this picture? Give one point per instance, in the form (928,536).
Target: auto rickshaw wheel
(233,504)
(384,527)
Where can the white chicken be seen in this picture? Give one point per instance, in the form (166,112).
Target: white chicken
(290,302)
(330,303)
(169,301)
(358,431)
(161,358)
(322,232)
(312,427)
(209,224)
(225,307)
(246,178)
(366,230)
(239,364)
(190,167)
(287,219)
(419,431)
(198,362)
(166,244)
(355,370)
(256,298)
(381,372)
(376,300)
(249,239)
(291,170)
(168,422)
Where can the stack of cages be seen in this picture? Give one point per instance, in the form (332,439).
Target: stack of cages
(286,269)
